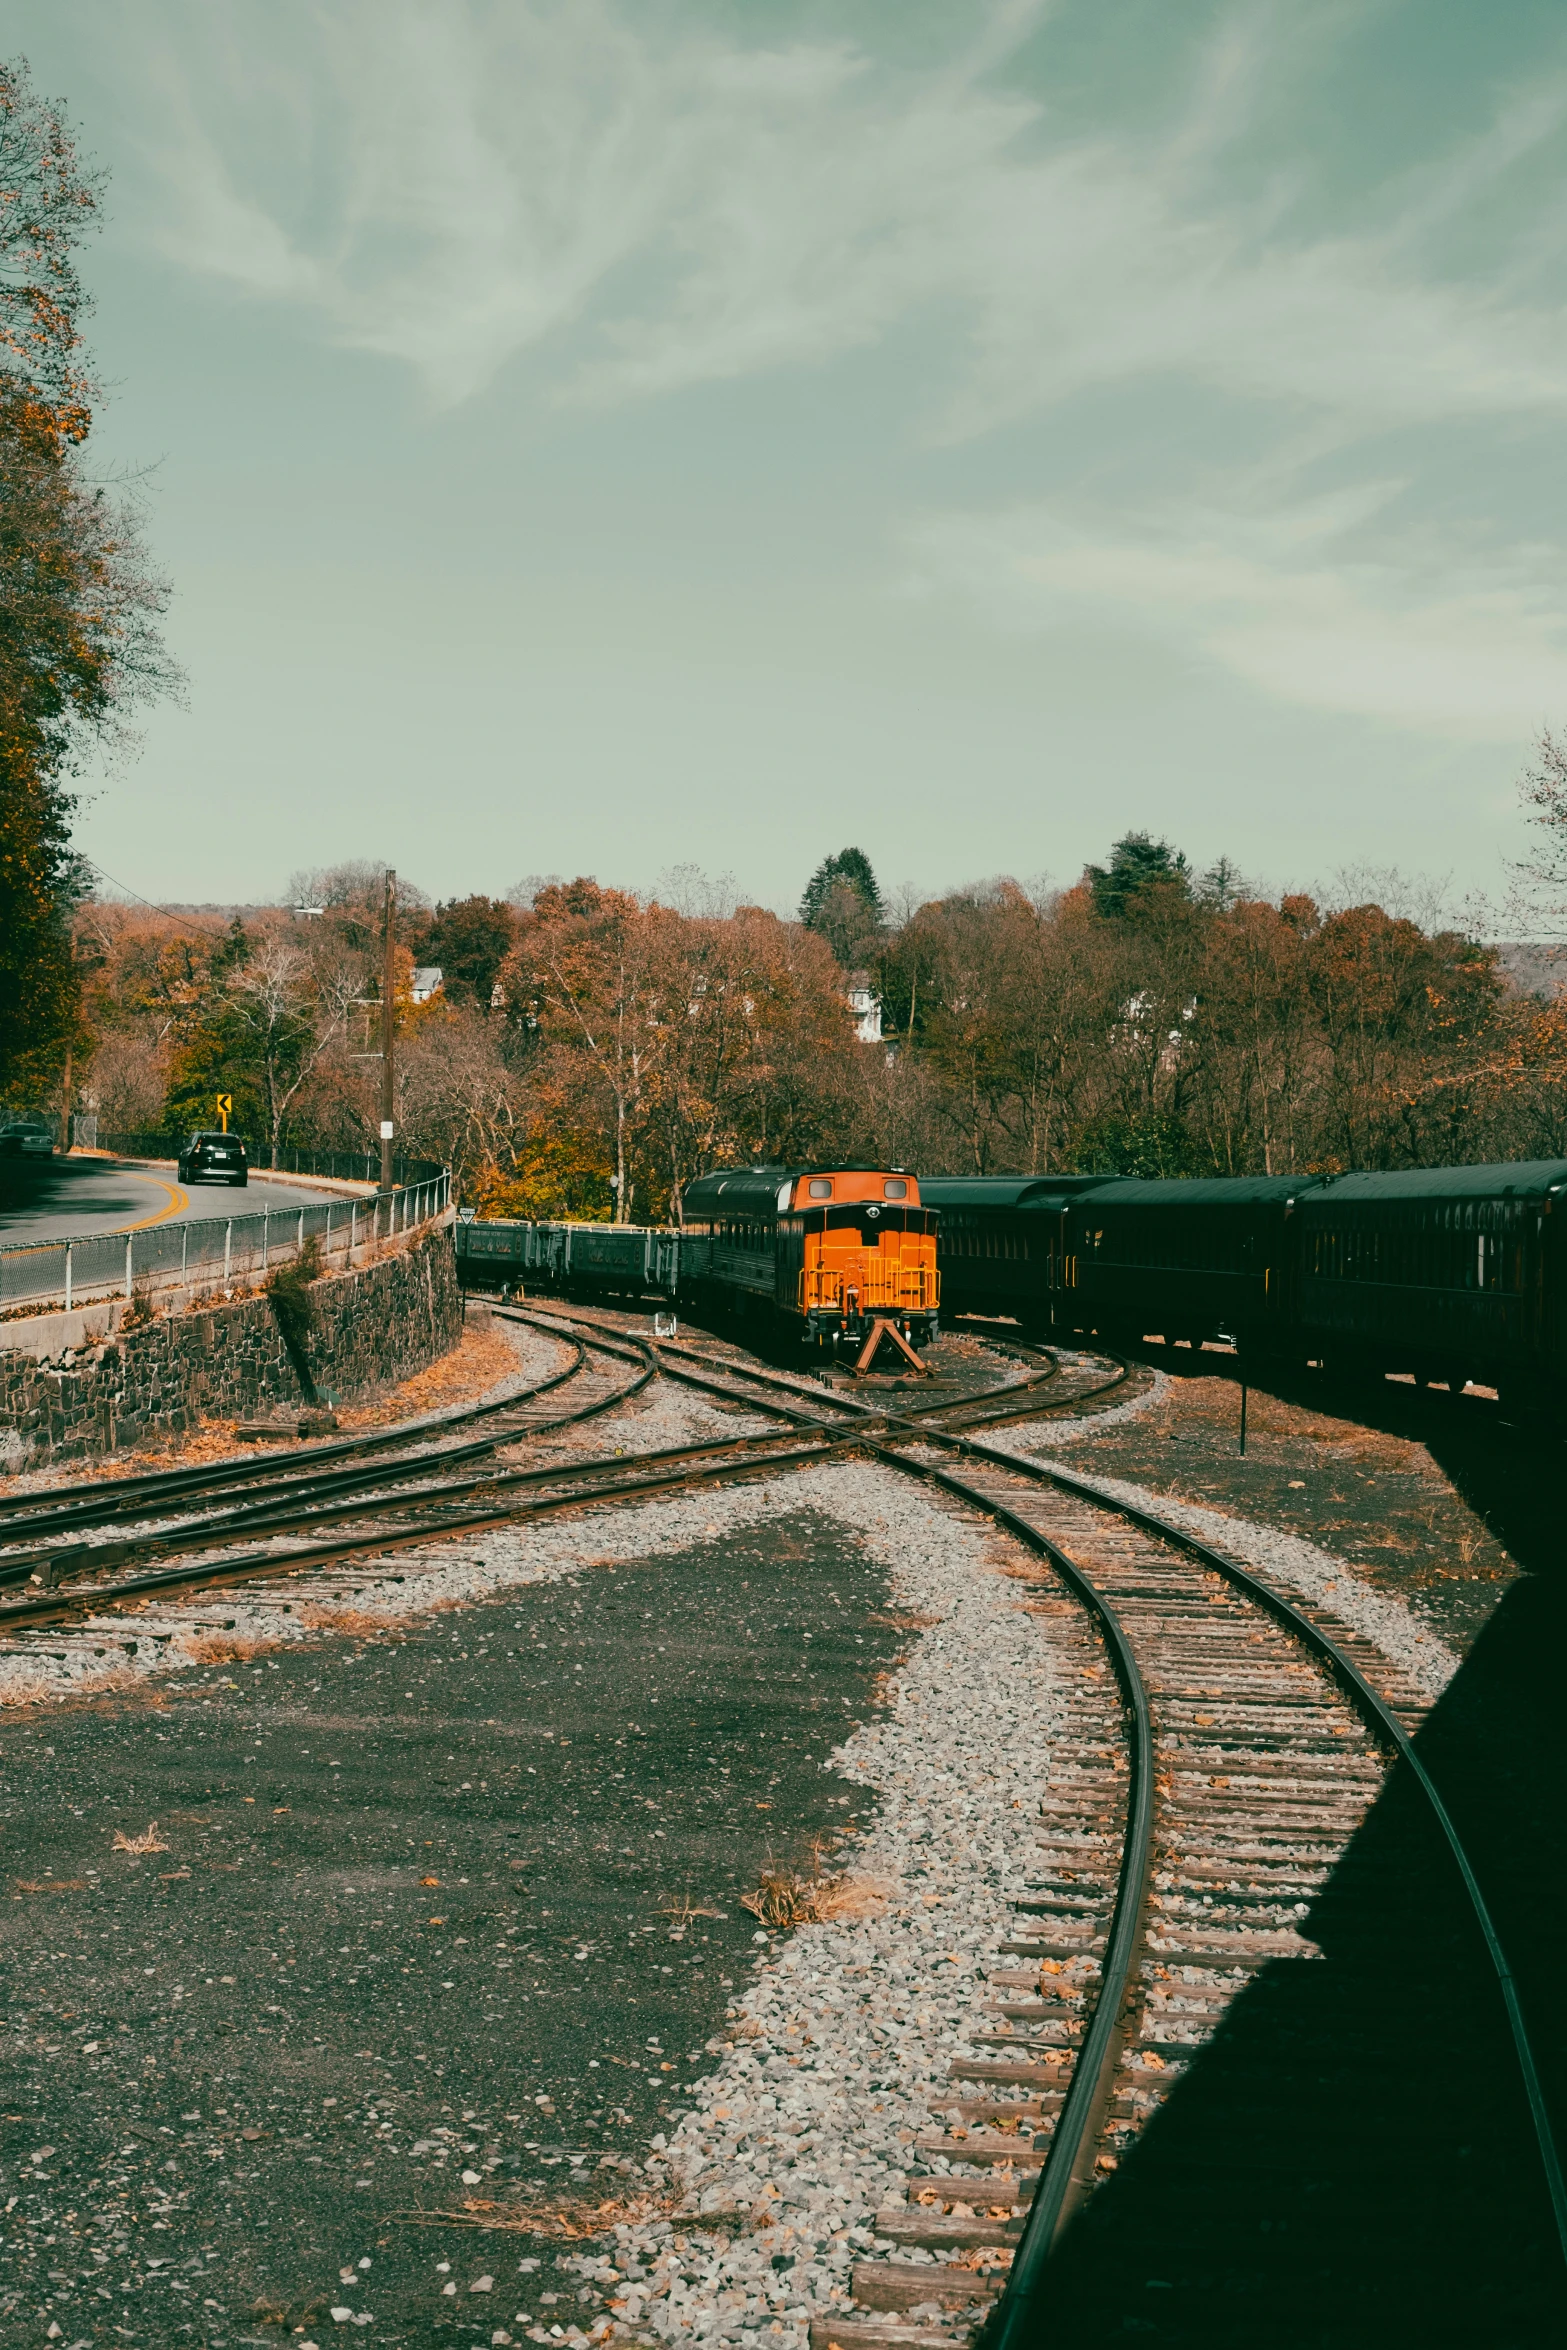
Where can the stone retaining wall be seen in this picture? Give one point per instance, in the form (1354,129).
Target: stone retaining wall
(373,1328)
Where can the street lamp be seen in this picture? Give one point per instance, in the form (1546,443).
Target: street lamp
(388,1081)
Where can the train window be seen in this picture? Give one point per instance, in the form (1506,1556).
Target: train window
(895,1189)
(821,1187)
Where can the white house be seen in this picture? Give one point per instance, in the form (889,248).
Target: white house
(426,982)
(865,1004)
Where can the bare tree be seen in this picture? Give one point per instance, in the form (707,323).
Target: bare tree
(1543,791)
(291,1012)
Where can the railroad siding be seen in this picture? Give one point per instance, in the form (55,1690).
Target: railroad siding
(375,1327)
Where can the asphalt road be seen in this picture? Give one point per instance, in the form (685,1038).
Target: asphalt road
(451,1913)
(62,1198)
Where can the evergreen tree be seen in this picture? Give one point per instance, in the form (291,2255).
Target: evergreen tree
(851,866)
(1138,868)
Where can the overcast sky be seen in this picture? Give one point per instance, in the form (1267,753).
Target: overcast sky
(598,437)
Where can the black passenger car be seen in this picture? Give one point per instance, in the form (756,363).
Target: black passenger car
(213,1158)
(1451,1273)
(999,1240)
(1200,1259)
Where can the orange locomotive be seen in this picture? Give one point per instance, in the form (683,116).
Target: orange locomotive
(833,1249)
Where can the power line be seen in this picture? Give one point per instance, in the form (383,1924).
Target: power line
(193,927)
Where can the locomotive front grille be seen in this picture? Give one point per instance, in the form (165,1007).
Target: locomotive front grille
(878,1285)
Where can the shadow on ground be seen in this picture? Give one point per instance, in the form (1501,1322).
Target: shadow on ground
(1353,2162)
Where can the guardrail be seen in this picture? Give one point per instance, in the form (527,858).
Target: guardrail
(346,1166)
(215,1251)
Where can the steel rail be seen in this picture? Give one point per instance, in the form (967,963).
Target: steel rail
(285,1504)
(286,1507)
(56,1607)
(1067,2176)
(50,1567)
(89,1503)
(1381,1718)
(995,1404)
(290,1505)
(1015,2316)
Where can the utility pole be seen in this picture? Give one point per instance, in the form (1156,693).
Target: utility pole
(65,1108)
(388,1074)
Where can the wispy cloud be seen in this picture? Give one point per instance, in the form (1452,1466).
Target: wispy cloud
(646,200)
(667,204)
(1283,599)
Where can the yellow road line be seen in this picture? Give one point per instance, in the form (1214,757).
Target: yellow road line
(177,1199)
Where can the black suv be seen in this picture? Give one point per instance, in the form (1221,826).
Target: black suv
(213,1158)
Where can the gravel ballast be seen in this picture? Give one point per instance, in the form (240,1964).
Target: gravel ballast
(1298,1566)
(849,2030)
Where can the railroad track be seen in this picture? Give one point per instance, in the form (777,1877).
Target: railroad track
(1223,1746)
(398,1489)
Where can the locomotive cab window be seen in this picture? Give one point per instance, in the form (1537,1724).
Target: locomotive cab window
(820,1187)
(895,1189)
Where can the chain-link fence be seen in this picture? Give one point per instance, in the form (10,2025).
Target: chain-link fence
(212,1253)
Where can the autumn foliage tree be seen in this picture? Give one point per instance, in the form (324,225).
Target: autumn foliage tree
(680,1042)
(1157,1024)
(78,642)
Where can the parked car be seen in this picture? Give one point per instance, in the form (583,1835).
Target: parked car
(213,1158)
(27,1138)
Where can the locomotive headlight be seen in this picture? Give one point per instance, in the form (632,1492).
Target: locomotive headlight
(873,1213)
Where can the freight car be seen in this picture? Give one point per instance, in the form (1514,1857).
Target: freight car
(623,1260)
(825,1251)
(1447,1273)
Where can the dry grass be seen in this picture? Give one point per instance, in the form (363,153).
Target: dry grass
(561,2222)
(33,1689)
(682,1912)
(223,1648)
(356,1621)
(784,1898)
(148,1841)
(51,1885)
